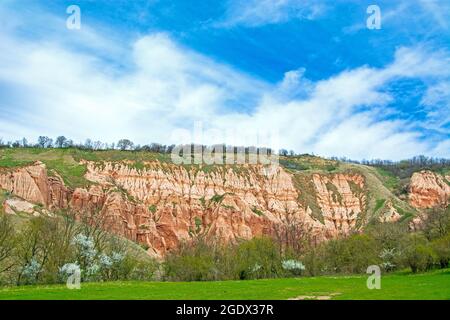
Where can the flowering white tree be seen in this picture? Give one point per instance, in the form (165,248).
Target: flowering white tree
(294,266)
(388,256)
(94,265)
(87,255)
(31,270)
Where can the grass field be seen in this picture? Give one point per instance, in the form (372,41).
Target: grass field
(432,285)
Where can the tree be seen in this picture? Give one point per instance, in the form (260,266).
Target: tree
(170,148)
(441,247)
(45,142)
(437,223)
(416,252)
(69,143)
(348,255)
(43,246)
(97,145)
(125,144)
(60,142)
(88,144)
(387,235)
(294,235)
(24,142)
(191,262)
(256,259)
(7,242)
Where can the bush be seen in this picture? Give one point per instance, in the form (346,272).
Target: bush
(417,253)
(191,262)
(388,258)
(257,258)
(437,223)
(293,266)
(7,245)
(200,261)
(441,247)
(349,255)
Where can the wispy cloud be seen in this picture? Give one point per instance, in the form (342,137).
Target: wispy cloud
(253,13)
(439,10)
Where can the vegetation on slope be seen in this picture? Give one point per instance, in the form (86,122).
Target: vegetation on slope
(38,249)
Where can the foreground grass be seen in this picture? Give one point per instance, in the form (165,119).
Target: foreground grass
(434,285)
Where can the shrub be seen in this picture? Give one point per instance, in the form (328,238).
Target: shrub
(199,261)
(388,258)
(441,247)
(416,253)
(293,266)
(437,223)
(349,255)
(191,262)
(262,252)
(7,246)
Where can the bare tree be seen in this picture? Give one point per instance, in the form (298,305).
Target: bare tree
(293,235)
(7,242)
(125,144)
(60,142)
(45,142)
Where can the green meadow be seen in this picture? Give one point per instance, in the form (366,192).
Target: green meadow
(404,286)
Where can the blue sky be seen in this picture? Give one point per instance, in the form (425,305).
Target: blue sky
(309,72)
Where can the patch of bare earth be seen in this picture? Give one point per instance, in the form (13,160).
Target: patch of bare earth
(321,297)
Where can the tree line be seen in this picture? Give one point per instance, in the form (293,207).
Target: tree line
(60,142)
(402,168)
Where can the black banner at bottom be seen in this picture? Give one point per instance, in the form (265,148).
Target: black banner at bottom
(207,309)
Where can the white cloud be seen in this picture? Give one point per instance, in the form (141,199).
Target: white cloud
(439,10)
(436,103)
(253,13)
(49,88)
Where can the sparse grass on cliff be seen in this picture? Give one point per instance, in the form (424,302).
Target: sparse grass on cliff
(3,196)
(66,161)
(432,285)
(307,194)
(58,161)
(389,180)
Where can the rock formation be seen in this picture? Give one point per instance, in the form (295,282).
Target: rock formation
(161,205)
(340,205)
(428,189)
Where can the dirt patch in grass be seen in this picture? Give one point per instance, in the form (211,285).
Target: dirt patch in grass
(328,296)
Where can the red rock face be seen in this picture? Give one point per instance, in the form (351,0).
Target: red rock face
(428,189)
(163,205)
(32,183)
(341,206)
